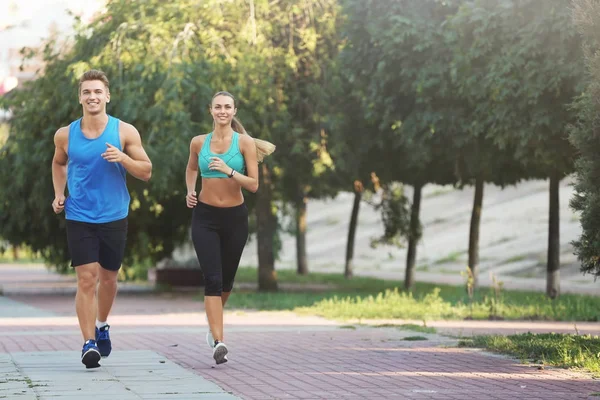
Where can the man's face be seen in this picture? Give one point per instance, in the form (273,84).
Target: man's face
(93,96)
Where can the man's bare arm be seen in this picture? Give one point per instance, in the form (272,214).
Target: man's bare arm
(59,168)
(134,158)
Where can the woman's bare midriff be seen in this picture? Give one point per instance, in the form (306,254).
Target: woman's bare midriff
(221,192)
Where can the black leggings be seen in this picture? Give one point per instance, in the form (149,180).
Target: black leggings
(219,235)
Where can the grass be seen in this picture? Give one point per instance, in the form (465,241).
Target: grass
(515,259)
(417,328)
(560,350)
(439,192)
(409,327)
(414,338)
(371,298)
(450,258)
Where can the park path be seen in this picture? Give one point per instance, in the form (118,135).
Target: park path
(160,353)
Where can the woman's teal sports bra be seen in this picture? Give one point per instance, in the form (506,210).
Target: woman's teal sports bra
(233,158)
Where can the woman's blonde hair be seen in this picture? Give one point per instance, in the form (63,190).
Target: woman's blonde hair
(263,147)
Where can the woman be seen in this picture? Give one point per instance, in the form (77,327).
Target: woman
(228,160)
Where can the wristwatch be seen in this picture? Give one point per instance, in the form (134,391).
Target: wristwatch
(232,173)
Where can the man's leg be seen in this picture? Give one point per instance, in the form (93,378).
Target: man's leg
(107,291)
(113,238)
(86,308)
(85,299)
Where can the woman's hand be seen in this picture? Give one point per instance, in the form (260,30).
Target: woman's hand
(191,199)
(216,164)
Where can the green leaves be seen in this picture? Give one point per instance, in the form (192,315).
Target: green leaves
(584,135)
(165,61)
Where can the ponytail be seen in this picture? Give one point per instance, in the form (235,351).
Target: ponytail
(263,147)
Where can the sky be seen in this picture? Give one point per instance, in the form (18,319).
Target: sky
(32,19)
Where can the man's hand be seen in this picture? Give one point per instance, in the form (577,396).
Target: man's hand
(58,205)
(112,154)
(191,199)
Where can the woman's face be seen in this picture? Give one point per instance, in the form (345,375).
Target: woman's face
(223,109)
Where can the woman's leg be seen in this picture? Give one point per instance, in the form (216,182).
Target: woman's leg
(207,244)
(232,247)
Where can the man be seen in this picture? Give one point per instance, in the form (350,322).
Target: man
(92,157)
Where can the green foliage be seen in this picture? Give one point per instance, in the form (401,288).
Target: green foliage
(165,60)
(520,71)
(584,135)
(396,62)
(3,133)
(561,350)
(395,214)
(367,92)
(11,255)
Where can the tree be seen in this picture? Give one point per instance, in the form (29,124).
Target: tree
(146,90)
(308,34)
(584,134)
(396,57)
(520,71)
(354,149)
(165,61)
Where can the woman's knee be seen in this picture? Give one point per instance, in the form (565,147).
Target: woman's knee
(228,285)
(213,285)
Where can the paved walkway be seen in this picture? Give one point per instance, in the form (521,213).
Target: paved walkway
(160,353)
(130,375)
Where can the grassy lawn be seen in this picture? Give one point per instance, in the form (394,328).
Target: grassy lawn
(370,298)
(566,351)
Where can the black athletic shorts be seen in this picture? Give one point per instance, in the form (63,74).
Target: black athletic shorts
(101,243)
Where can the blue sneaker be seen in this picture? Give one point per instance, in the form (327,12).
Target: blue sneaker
(103,341)
(90,355)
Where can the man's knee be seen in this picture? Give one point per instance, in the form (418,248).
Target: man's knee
(213,285)
(108,278)
(87,278)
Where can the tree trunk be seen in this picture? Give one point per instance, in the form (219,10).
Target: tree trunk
(413,238)
(15,251)
(266,224)
(358,189)
(301,259)
(474,231)
(553,266)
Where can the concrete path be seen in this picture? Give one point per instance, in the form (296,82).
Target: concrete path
(130,375)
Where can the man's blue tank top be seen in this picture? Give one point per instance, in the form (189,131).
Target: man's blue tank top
(97,188)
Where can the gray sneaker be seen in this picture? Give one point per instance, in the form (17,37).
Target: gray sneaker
(210,340)
(220,353)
